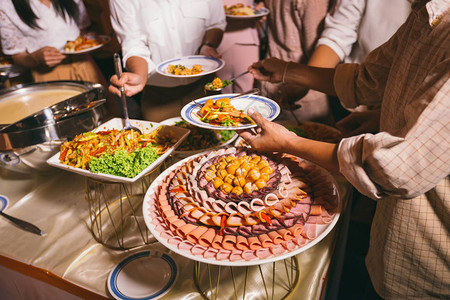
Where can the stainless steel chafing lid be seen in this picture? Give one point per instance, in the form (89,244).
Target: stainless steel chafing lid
(60,120)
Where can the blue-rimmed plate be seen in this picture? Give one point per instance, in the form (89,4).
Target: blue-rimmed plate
(3,202)
(268,108)
(258,13)
(209,65)
(143,276)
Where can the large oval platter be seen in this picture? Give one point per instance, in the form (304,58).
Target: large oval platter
(168,224)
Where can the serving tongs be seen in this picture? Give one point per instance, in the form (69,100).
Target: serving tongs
(118,66)
(231,81)
(23,224)
(254,91)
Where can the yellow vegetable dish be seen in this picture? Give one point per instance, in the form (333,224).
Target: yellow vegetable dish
(182,70)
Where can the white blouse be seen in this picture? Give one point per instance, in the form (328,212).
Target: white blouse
(158,30)
(356,27)
(18,37)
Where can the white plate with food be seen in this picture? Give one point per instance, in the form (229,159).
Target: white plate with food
(241,11)
(144,275)
(85,44)
(190,66)
(112,155)
(200,139)
(220,116)
(186,211)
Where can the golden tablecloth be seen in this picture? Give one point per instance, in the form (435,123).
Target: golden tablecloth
(68,257)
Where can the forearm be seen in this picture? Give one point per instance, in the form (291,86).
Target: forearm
(321,153)
(137,65)
(320,79)
(213,37)
(25,59)
(324,57)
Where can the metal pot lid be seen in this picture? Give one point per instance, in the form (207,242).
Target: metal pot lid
(64,119)
(29,105)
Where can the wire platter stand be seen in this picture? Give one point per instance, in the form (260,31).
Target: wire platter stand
(278,283)
(115,211)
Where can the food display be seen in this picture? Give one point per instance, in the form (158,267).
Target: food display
(115,152)
(82,43)
(220,112)
(183,70)
(309,130)
(216,84)
(315,131)
(4,62)
(238,205)
(201,138)
(239,9)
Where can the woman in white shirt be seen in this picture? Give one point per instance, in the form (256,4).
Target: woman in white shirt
(34,31)
(152,31)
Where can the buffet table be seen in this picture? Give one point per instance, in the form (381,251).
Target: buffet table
(68,263)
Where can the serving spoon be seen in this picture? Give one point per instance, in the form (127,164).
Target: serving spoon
(22,224)
(118,66)
(230,80)
(254,91)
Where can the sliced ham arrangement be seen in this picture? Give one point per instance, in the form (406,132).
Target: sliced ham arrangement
(235,204)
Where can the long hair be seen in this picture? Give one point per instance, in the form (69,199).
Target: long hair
(64,8)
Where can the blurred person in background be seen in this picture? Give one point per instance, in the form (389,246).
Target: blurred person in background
(239,49)
(353,28)
(406,166)
(34,31)
(151,32)
(293,28)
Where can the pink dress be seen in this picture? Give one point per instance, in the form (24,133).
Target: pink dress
(239,49)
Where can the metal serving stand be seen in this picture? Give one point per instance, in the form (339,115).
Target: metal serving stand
(278,279)
(115,210)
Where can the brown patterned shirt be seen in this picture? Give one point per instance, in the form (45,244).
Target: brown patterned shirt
(406,166)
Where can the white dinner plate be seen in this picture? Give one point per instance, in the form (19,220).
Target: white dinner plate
(148,206)
(186,153)
(209,65)
(258,14)
(179,135)
(144,275)
(268,108)
(103,38)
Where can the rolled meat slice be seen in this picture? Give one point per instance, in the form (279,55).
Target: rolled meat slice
(185,229)
(195,234)
(207,237)
(229,242)
(242,243)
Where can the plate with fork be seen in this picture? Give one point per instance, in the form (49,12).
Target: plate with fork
(268,108)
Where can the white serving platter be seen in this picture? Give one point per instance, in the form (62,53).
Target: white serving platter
(117,123)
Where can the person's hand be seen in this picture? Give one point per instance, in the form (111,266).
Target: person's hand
(360,122)
(257,7)
(209,51)
(270,69)
(132,82)
(288,94)
(269,136)
(48,56)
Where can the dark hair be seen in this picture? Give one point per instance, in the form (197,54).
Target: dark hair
(64,8)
